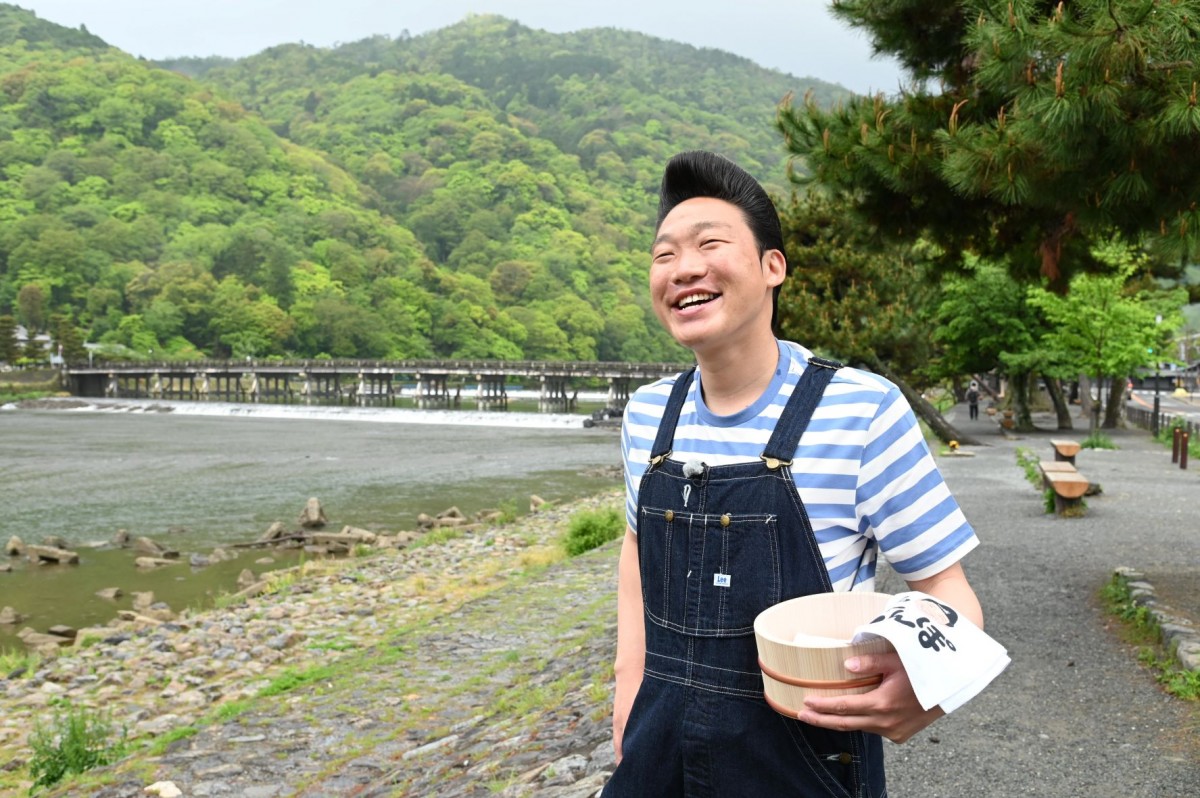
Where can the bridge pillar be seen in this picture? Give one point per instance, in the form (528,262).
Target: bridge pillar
(491,394)
(200,386)
(251,391)
(113,389)
(306,387)
(618,393)
(361,392)
(432,391)
(156,386)
(554,397)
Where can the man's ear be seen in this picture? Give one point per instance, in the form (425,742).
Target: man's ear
(774,266)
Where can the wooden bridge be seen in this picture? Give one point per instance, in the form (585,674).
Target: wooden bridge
(361,382)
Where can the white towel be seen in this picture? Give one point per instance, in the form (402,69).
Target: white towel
(949,659)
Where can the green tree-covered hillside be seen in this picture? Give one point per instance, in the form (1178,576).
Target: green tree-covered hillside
(484,191)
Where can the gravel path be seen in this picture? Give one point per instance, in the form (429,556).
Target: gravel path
(502,688)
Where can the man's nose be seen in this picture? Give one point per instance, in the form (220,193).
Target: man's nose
(690,265)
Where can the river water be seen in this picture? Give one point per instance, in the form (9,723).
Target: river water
(196,475)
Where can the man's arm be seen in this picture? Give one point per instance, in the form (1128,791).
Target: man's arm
(892,709)
(631,636)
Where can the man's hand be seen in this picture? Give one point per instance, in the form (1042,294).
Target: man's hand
(890,710)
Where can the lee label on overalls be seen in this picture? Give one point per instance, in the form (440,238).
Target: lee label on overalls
(721,580)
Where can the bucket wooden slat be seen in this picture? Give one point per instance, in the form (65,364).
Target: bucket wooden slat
(832,615)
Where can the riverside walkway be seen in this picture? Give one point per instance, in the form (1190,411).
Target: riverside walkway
(505,693)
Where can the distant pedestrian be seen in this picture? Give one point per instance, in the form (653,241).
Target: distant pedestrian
(973,400)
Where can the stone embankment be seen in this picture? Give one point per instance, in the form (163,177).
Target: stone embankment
(475,662)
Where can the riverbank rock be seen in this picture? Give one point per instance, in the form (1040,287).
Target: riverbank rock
(153,562)
(54,541)
(246,578)
(121,538)
(274,532)
(164,789)
(313,515)
(10,617)
(536,503)
(152,549)
(44,554)
(110,593)
(14,547)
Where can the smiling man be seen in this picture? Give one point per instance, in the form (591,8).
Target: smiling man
(763,474)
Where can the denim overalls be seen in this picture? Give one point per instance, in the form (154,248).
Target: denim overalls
(717,545)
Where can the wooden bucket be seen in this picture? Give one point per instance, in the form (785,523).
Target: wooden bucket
(792,671)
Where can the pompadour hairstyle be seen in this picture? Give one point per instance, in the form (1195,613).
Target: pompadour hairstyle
(697,173)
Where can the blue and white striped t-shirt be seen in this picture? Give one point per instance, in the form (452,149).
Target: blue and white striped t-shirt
(862,468)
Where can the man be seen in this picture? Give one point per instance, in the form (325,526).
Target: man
(765,474)
(973,400)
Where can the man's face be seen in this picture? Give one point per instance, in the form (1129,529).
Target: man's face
(709,285)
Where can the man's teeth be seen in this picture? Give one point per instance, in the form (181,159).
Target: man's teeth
(695,299)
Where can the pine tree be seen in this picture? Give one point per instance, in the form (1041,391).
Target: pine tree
(69,339)
(10,350)
(1029,130)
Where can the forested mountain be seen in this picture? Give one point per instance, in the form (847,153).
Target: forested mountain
(481,191)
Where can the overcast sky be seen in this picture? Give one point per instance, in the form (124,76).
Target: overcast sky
(800,37)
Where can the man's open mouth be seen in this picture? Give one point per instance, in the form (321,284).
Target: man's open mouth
(694,300)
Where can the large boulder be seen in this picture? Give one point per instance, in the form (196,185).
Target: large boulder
(313,515)
(10,617)
(14,547)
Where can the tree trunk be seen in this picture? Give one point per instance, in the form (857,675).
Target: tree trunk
(942,428)
(1116,403)
(1022,418)
(1061,409)
(1094,418)
(1085,396)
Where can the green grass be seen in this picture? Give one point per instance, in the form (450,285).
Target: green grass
(1166,436)
(437,536)
(160,744)
(24,663)
(291,679)
(76,740)
(1098,440)
(589,529)
(1141,630)
(1028,461)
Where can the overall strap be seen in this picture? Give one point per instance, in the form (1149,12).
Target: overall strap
(670,417)
(798,412)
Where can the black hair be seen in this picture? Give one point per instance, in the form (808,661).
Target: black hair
(697,173)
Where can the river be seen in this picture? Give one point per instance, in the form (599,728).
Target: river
(193,476)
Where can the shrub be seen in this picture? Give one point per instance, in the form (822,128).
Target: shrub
(1098,440)
(591,528)
(77,740)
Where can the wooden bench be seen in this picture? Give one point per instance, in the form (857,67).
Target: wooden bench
(1068,484)
(1065,450)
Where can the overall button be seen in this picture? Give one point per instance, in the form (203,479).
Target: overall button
(669,516)
(845,758)
(726,520)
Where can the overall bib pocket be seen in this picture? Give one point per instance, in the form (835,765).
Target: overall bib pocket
(718,570)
